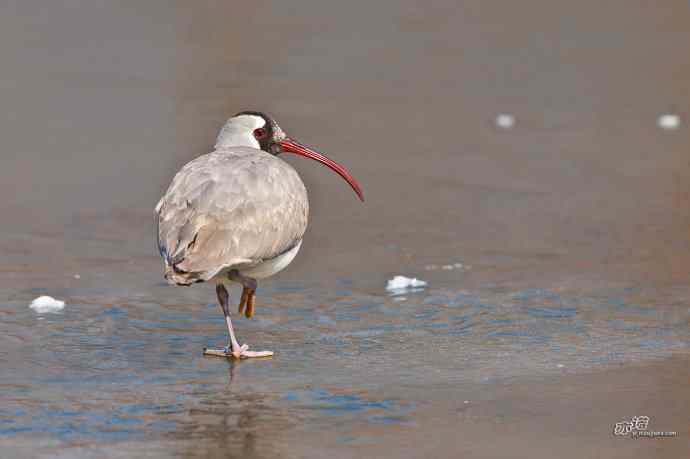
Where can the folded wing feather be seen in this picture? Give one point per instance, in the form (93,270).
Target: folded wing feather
(229,208)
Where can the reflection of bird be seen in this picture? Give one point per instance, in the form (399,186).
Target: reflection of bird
(238,213)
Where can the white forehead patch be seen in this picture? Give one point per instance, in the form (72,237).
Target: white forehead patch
(250,121)
(239,132)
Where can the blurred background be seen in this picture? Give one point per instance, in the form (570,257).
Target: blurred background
(513,154)
(103,103)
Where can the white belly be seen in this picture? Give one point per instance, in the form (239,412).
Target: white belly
(272,266)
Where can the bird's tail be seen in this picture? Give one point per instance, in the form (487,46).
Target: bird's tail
(178,277)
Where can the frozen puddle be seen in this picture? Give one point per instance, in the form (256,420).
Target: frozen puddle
(45,303)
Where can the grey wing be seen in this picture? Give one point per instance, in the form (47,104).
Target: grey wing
(229,209)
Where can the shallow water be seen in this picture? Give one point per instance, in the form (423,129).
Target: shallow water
(555,250)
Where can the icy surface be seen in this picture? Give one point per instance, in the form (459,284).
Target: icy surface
(45,303)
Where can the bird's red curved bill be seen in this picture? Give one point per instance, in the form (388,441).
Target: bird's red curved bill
(293,146)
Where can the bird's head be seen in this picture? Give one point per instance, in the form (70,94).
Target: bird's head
(258,130)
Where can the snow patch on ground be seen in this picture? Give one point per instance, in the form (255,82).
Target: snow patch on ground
(505,121)
(45,303)
(401,284)
(446,267)
(668,121)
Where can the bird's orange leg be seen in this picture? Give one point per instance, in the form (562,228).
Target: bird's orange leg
(249,285)
(246,305)
(250,305)
(243,300)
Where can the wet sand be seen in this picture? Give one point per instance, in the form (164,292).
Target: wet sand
(569,312)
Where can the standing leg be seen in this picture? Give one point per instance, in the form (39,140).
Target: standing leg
(234,347)
(223,298)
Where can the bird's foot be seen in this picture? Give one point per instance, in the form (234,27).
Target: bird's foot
(242,352)
(245,353)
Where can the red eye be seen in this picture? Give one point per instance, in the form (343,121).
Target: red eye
(259,133)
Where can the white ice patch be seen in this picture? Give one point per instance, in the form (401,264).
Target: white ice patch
(668,121)
(505,121)
(44,304)
(446,267)
(401,284)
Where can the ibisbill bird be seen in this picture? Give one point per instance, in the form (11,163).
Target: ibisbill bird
(237,214)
